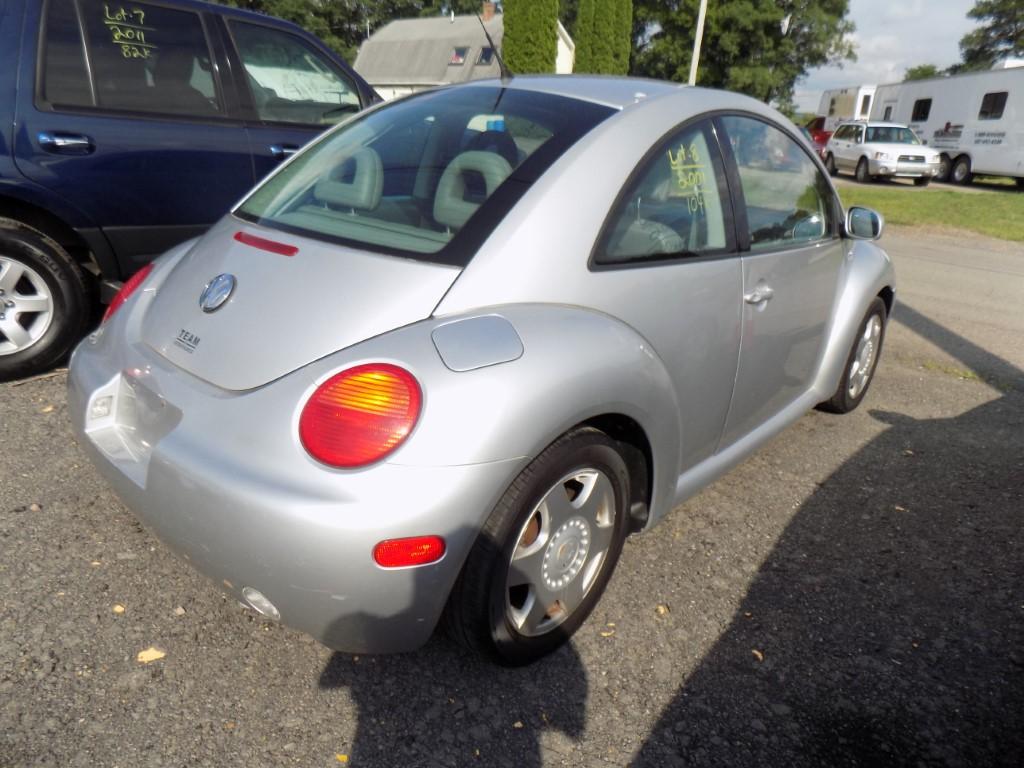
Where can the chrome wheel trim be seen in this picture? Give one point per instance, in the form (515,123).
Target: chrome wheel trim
(560,551)
(960,171)
(26,306)
(864,359)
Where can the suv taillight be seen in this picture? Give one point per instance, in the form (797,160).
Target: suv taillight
(361,415)
(130,286)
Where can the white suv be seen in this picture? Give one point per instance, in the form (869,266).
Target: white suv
(871,150)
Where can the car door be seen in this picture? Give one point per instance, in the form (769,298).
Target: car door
(787,217)
(841,140)
(292,89)
(125,118)
(666,263)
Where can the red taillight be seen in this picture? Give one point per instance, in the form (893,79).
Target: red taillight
(129,287)
(401,553)
(361,415)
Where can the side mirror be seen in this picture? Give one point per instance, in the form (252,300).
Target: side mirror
(864,223)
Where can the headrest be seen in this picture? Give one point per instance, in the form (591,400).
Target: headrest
(356,181)
(451,207)
(498,142)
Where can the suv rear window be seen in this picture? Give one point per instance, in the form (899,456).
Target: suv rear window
(142,58)
(427,177)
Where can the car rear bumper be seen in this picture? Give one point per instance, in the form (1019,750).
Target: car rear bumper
(226,485)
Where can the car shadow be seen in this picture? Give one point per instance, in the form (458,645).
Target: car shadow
(884,629)
(453,708)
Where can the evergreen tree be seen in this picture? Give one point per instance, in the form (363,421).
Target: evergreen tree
(1001,33)
(531,35)
(584,37)
(623,36)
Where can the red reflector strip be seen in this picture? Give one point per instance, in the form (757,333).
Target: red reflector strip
(281,249)
(402,553)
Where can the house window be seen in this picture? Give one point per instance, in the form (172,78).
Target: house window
(486,55)
(458,57)
(922,108)
(992,106)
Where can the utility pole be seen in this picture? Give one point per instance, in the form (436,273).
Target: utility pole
(697,40)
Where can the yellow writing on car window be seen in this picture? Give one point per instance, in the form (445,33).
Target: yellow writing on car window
(128,30)
(690,171)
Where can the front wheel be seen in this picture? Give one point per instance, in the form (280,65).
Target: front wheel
(44,302)
(861,362)
(863,174)
(961,172)
(546,553)
(944,167)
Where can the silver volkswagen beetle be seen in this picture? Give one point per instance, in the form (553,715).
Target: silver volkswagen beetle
(438,366)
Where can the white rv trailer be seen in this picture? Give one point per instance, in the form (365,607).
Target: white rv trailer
(975,119)
(842,104)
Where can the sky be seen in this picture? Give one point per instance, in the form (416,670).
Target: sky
(891,37)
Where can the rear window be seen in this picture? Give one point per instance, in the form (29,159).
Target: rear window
(427,177)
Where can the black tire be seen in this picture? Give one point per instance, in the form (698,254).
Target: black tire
(945,165)
(66,286)
(843,401)
(922,181)
(863,176)
(830,165)
(477,613)
(1020,182)
(961,172)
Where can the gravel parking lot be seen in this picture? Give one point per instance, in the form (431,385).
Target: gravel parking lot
(851,596)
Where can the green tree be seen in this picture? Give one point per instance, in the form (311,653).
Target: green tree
(1001,33)
(921,72)
(531,35)
(744,48)
(604,36)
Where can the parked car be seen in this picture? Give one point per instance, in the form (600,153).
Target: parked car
(816,144)
(888,150)
(446,359)
(816,128)
(126,128)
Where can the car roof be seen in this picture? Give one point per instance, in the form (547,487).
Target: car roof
(616,92)
(873,124)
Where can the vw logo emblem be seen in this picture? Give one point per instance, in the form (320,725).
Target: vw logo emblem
(217,292)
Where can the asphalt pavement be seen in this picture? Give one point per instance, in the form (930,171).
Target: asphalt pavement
(853,595)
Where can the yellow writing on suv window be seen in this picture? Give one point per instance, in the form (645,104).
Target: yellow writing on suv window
(689,168)
(128,30)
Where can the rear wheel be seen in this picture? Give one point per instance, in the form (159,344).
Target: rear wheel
(830,165)
(44,302)
(961,172)
(546,553)
(861,362)
(863,176)
(1020,182)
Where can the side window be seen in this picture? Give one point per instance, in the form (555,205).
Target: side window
(788,201)
(992,106)
(292,82)
(888,113)
(144,58)
(64,75)
(922,108)
(841,133)
(858,135)
(674,205)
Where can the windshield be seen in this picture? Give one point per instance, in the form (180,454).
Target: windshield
(892,135)
(428,177)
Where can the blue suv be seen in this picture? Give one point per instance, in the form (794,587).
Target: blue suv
(128,127)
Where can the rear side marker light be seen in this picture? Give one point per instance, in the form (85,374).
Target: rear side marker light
(281,249)
(403,553)
(130,286)
(359,416)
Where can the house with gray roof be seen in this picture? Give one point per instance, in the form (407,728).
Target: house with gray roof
(409,55)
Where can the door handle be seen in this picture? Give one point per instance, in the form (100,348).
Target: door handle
(759,295)
(280,151)
(66,143)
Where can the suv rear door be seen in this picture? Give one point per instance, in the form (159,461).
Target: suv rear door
(291,87)
(127,115)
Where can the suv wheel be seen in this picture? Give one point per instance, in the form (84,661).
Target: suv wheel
(830,165)
(862,171)
(44,302)
(944,168)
